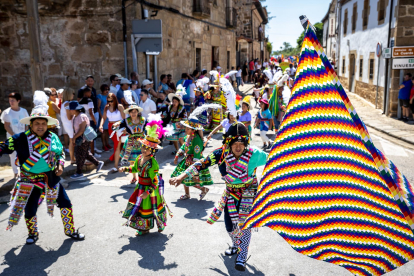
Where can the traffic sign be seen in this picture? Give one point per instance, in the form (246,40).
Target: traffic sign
(147,35)
(403,63)
(386,53)
(407,51)
(379,49)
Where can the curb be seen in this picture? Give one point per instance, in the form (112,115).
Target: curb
(390,134)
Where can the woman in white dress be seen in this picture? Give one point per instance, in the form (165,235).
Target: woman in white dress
(66,118)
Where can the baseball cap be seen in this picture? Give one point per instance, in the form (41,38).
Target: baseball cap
(118,75)
(124,80)
(146,82)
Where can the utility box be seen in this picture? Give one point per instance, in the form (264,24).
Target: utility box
(147,35)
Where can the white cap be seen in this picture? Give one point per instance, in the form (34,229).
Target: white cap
(125,81)
(118,75)
(218,67)
(146,82)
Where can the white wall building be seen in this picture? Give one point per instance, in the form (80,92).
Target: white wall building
(329,32)
(363,24)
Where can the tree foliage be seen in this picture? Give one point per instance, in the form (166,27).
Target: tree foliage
(319,34)
(269,47)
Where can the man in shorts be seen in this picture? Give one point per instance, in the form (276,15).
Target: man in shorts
(404,96)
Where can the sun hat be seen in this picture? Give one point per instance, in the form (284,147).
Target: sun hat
(192,123)
(172,96)
(264,101)
(133,106)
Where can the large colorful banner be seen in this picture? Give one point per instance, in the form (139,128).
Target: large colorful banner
(325,188)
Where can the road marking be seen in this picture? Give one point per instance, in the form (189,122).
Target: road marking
(392,149)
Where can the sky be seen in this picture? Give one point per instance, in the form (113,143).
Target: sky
(286,25)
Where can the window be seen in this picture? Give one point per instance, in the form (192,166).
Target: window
(381,11)
(345,22)
(198,59)
(365,13)
(332,32)
(371,69)
(361,63)
(343,66)
(354,17)
(228,60)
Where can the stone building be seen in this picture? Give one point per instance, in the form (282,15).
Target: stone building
(362,24)
(85,37)
(329,31)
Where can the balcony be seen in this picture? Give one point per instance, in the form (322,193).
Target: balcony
(201,8)
(231,18)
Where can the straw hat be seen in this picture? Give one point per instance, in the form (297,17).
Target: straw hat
(192,123)
(133,106)
(171,96)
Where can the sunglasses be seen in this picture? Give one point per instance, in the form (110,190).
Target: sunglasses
(106,89)
(110,101)
(53,94)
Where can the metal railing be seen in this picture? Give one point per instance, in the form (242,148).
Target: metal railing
(201,8)
(231,17)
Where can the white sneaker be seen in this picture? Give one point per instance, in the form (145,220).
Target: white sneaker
(100,165)
(98,150)
(97,155)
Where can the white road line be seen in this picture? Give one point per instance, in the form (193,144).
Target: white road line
(392,149)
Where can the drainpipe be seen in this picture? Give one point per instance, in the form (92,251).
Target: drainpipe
(124,33)
(387,64)
(338,44)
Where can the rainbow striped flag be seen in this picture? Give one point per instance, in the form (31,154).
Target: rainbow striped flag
(326,189)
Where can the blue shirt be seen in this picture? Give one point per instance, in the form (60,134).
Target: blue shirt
(165,87)
(404,93)
(264,125)
(120,95)
(103,102)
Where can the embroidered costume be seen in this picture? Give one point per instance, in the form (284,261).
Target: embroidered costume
(38,157)
(174,118)
(141,213)
(199,101)
(241,186)
(132,147)
(217,97)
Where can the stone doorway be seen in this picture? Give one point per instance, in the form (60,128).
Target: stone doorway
(215,57)
(352,72)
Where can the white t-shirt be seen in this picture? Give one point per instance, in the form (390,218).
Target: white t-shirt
(88,106)
(14,117)
(113,89)
(226,124)
(258,66)
(192,87)
(239,73)
(148,106)
(292,71)
(265,64)
(128,96)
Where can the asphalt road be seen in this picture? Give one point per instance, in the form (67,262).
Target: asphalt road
(188,246)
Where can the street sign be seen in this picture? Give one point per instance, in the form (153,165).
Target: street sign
(147,35)
(386,53)
(378,50)
(407,51)
(403,63)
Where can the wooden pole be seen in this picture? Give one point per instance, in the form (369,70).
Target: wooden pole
(33,23)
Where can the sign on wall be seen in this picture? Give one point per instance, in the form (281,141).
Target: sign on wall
(407,51)
(386,53)
(403,63)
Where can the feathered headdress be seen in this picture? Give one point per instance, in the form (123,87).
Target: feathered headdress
(216,76)
(155,131)
(181,90)
(229,74)
(40,110)
(193,121)
(230,95)
(269,75)
(277,76)
(282,80)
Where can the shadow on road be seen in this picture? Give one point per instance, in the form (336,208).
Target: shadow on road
(229,262)
(196,209)
(149,247)
(33,260)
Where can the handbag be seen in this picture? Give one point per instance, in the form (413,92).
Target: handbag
(90,134)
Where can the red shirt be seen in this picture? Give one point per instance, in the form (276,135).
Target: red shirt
(412,93)
(251,65)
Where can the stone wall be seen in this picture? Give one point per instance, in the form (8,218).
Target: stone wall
(82,37)
(369,92)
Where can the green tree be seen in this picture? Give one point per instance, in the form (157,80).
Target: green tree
(269,47)
(319,34)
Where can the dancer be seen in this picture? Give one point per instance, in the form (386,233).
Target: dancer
(245,117)
(41,159)
(147,204)
(173,114)
(199,101)
(134,128)
(192,151)
(265,119)
(238,161)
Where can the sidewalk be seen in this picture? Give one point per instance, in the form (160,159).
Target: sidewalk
(374,118)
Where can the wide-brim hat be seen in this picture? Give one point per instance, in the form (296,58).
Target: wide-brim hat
(171,96)
(192,123)
(151,142)
(133,106)
(50,121)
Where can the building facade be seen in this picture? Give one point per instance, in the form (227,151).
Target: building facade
(85,37)
(329,32)
(361,26)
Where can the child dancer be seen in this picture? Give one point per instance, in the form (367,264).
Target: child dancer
(264,117)
(147,203)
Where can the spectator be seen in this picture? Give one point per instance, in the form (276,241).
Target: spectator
(59,104)
(163,87)
(80,122)
(120,95)
(170,83)
(239,78)
(265,64)
(191,89)
(258,65)
(203,74)
(292,71)
(89,83)
(135,91)
(185,82)
(102,102)
(114,82)
(149,86)
(233,77)
(219,70)
(412,97)
(11,120)
(87,104)
(147,104)
(251,69)
(245,71)
(134,78)
(118,85)
(114,112)
(54,109)
(404,96)
(67,124)
(194,76)
(161,102)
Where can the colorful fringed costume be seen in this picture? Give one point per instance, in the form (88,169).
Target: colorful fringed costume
(174,118)
(326,189)
(192,150)
(141,213)
(39,159)
(132,146)
(241,185)
(217,97)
